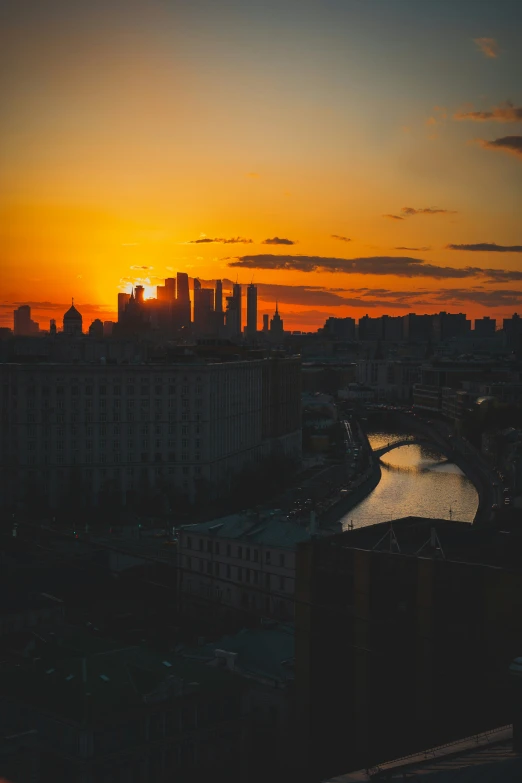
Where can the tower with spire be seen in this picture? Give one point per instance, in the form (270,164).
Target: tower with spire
(276,323)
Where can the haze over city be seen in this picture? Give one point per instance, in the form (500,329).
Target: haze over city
(350,157)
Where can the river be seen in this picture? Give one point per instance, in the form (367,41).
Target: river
(415,481)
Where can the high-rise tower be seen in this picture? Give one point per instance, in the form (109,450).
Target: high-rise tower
(251,310)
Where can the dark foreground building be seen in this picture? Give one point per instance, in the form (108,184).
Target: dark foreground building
(404,636)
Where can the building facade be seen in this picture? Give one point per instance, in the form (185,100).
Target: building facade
(242,564)
(127,429)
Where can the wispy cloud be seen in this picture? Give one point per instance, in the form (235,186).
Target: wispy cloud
(141,268)
(340,238)
(489,247)
(506,112)
(410,211)
(220,240)
(407,212)
(278,241)
(417,249)
(488,46)
(400,266)
(511,144)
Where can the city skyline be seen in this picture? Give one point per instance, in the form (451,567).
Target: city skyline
(361,157)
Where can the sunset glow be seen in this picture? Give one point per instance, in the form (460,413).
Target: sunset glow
(144,138)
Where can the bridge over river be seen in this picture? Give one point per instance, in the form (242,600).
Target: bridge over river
(434,445)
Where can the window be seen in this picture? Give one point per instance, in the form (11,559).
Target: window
(209,546)
(188,542)
(256,577)
(256,556)
(268,557)
(216,547)
(247,575)
(209,566)
(282,560)
(228,572)
(201,545)
(229,550)
(239,574)
(188,561)
(216,569)
(247,553)
(267,581)
(240,552)
(281,583)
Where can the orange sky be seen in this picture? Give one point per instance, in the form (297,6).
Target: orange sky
(130,130)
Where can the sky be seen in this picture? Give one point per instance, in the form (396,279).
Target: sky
(349,156)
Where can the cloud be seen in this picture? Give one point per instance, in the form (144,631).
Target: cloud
(488,46)
(512,144)
(407,212)
(498,298)
(489,247)
(399,266)
(410,211)
(146,268)
(506,112)
(278,241)
(418,249)
(340,238)
(220,240)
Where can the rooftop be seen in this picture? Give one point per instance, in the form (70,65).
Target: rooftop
(435,538)
(486,758)
(266,653)
(269,528)
(84,678)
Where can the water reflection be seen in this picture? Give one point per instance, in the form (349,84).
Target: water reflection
(415,481)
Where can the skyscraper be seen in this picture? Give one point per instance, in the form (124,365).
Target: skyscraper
(23,323)
(183,301)
(251,310)
(203,309)
(218,307)
(123,301)
(266,326)
(233,312)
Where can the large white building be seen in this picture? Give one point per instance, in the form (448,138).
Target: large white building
(131,428)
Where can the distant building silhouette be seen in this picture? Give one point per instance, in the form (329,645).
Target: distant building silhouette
(23,323)
(485,327)
(251,327)
(218,304)
(183,309)
(72,322)
(266,324)
(96,329)
(233,312)
(276,324)
(123,301)
(340,328)
(52,327)
(203,309)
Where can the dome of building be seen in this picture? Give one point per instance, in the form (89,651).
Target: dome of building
(72,314)
(72,322)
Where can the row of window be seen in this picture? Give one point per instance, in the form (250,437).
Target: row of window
(236,573)
(240,552)
(102,390)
